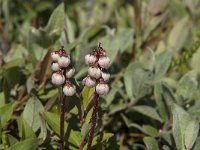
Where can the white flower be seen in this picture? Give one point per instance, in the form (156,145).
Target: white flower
(94,72)
(64,61)
(55,56)
(57,79)
(55,67)
(70,72)
(89,82)
(69,90)
(102,88)
(90,59)
(105,76)
(104,62)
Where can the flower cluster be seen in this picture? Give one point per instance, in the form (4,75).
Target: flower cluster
(97,73)
(63,71)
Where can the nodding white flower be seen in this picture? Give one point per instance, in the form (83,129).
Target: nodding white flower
(55,67)
(105,76)
(102,88)
(70,72)
(55,56)
(104,62)
(90,59)
(57,79)
(89,82)
(63,61)
(94,72)
(69,90)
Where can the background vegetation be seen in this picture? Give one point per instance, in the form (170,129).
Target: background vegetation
(154,99)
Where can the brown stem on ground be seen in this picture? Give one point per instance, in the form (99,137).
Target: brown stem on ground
(93,120)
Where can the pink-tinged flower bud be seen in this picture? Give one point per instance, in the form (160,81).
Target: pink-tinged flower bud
(70,72)
(63,61)
(94,72)
(55,56)
(105,76)
(102,88)
(55,67)
(69,90)
(89,82)
(57,79)
(90,59)
(104,62)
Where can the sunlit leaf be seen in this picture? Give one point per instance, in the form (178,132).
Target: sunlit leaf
(31,113)
(31,144)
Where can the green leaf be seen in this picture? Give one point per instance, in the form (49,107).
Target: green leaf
(85,129)
(148,60)
(197,143)
(31,113)
(75,137)
(55,24)
(43,128)
(150,130)
(180,122)
(110,45)
(160,101)
(25,131)
(137,81)
(191,133)
(13,63)
(47,36)
(29,144)
(2,99)
(178,34)
(144,129)
(6,112)
(12,139)
(187,85)
(163,61)
(196,61)
(147,111)
(72,45)
(124,38)
(151,143)
(70,30)
(86,94)
(53,121)
(117,43)
(41,37)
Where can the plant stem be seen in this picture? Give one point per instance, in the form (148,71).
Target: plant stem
(62,113)
(93,120)
(82,144)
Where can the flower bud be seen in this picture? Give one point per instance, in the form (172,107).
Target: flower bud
(55,67)
(70,72)
(90,59)
(57,79)
(104,62)
(55,56)
(105,76)
(102,88)
(89,82)
(94,72)
(69,90)
(63,61)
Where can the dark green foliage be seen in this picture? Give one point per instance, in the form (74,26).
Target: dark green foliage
(154,99)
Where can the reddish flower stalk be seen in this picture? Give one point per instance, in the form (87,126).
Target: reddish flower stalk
(97,77)
(62,72)
(93,120)
(62,120)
